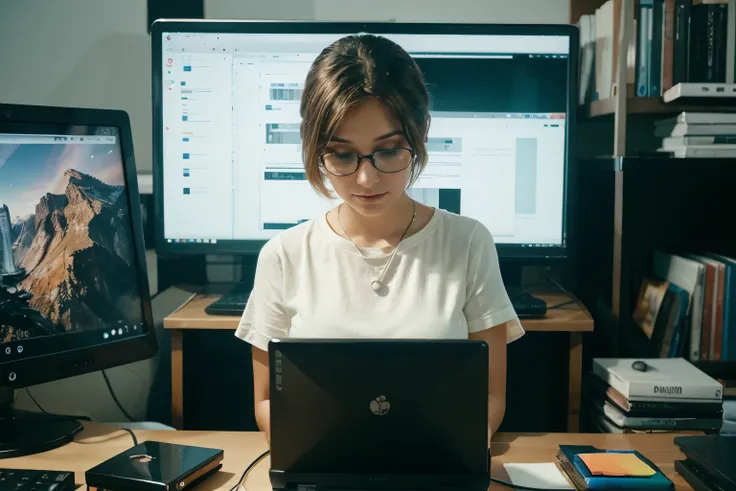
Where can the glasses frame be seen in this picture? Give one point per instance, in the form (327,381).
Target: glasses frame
(371,158)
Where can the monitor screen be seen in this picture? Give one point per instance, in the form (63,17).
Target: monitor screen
(69,275)
(230,151)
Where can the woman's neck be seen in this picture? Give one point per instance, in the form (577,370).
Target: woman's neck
(378,231)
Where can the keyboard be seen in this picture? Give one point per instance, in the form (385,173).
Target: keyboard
(233,303)
(35,480)
(525,304)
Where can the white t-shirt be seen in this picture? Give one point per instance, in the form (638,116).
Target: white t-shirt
(443,283)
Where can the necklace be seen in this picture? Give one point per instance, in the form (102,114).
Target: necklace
(376,284)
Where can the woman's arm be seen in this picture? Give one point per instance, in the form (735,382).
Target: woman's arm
(496,339)
(262,403)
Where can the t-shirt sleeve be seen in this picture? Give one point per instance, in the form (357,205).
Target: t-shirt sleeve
(487,303)
(265,316)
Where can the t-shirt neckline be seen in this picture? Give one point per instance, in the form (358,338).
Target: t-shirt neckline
(405,244)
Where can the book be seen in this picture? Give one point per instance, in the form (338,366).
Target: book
(664,379)
(623,420)
(600,391)
(613,472)
(688,274)
(695,92)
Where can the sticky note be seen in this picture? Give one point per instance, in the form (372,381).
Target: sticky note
(616,464)
(544,475)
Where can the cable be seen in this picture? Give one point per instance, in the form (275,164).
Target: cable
(40,408)
(115,398)
(508,484)
(132,435)
(249,468)
(563,290)
(519,486)
(106,438)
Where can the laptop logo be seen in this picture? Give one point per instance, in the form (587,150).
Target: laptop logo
(380,406)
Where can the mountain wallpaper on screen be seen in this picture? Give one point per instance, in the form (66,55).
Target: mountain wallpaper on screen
(78,262)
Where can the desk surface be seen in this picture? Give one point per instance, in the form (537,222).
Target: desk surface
(99,442)
(569,318)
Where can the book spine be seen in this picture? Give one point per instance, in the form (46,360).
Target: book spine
(709,51)
(696,65)
(642,390)
(720,37)
(681,50)
(671,423)
(731,43)
(668,46)
(729,314)
(643,47)
(656,42)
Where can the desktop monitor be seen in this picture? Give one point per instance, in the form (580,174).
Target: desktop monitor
(228,168)
(73,287)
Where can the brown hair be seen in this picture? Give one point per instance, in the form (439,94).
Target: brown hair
(348,71)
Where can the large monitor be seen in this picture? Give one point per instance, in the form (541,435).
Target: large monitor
(73,287)
(227,151)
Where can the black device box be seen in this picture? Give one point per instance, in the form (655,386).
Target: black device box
(155,466)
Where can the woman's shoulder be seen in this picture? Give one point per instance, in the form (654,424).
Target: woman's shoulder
(292,240)
(462,229)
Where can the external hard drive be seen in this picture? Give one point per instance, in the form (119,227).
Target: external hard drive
(155,466)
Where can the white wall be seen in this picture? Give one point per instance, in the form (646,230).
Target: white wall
(93,53)
(485,11)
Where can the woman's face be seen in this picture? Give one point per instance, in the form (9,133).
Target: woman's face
(365,129)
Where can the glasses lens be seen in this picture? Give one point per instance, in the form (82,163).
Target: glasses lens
(392,159)
(340,163)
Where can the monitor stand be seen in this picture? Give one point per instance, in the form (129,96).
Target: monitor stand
(233,301)
(25,433)
(525,304)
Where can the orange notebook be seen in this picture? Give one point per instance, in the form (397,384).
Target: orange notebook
(616,464)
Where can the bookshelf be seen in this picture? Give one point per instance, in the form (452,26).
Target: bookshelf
(631,201)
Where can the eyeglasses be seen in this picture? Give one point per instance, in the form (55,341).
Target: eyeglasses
(387,160)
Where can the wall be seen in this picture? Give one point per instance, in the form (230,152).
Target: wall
(486,11)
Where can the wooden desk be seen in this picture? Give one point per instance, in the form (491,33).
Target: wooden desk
(240,449)
(573,319)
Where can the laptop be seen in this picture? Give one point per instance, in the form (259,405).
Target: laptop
(379,414)
(710,462)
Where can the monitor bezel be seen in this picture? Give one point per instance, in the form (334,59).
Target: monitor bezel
(524,252)
(51,366)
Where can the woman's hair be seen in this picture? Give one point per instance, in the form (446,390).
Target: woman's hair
(353,69)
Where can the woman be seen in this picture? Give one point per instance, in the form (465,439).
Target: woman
(380,264)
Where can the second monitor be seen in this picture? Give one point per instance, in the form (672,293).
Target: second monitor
(227,149)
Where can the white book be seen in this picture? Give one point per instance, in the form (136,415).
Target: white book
(689,275)
(701,152)
(666,379)
(686,129)
(698,118)
(700,90)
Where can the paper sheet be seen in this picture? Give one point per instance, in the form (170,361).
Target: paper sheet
(537,475)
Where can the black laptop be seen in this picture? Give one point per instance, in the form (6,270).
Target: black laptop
(379,414)
(710,463)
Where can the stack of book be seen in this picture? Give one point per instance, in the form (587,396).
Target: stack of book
(676,48)
(654,395)
(698,135)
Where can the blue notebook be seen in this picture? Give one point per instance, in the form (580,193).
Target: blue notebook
(632,471)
